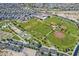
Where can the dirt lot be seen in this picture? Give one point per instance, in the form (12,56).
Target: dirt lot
(67,14)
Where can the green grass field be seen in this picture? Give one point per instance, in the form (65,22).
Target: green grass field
(39,30)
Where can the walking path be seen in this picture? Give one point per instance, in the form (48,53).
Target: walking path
(47,34)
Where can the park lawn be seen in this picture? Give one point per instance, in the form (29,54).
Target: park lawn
(67,42)
(40,29)
(34,27)
(71,26)
(37,29)
(70,38)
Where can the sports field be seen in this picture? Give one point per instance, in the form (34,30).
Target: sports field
(62,33)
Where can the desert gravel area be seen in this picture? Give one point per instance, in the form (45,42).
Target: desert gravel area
(6,52)
(25,52)
(29,52)
(68,14)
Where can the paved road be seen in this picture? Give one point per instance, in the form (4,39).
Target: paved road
(76,49)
